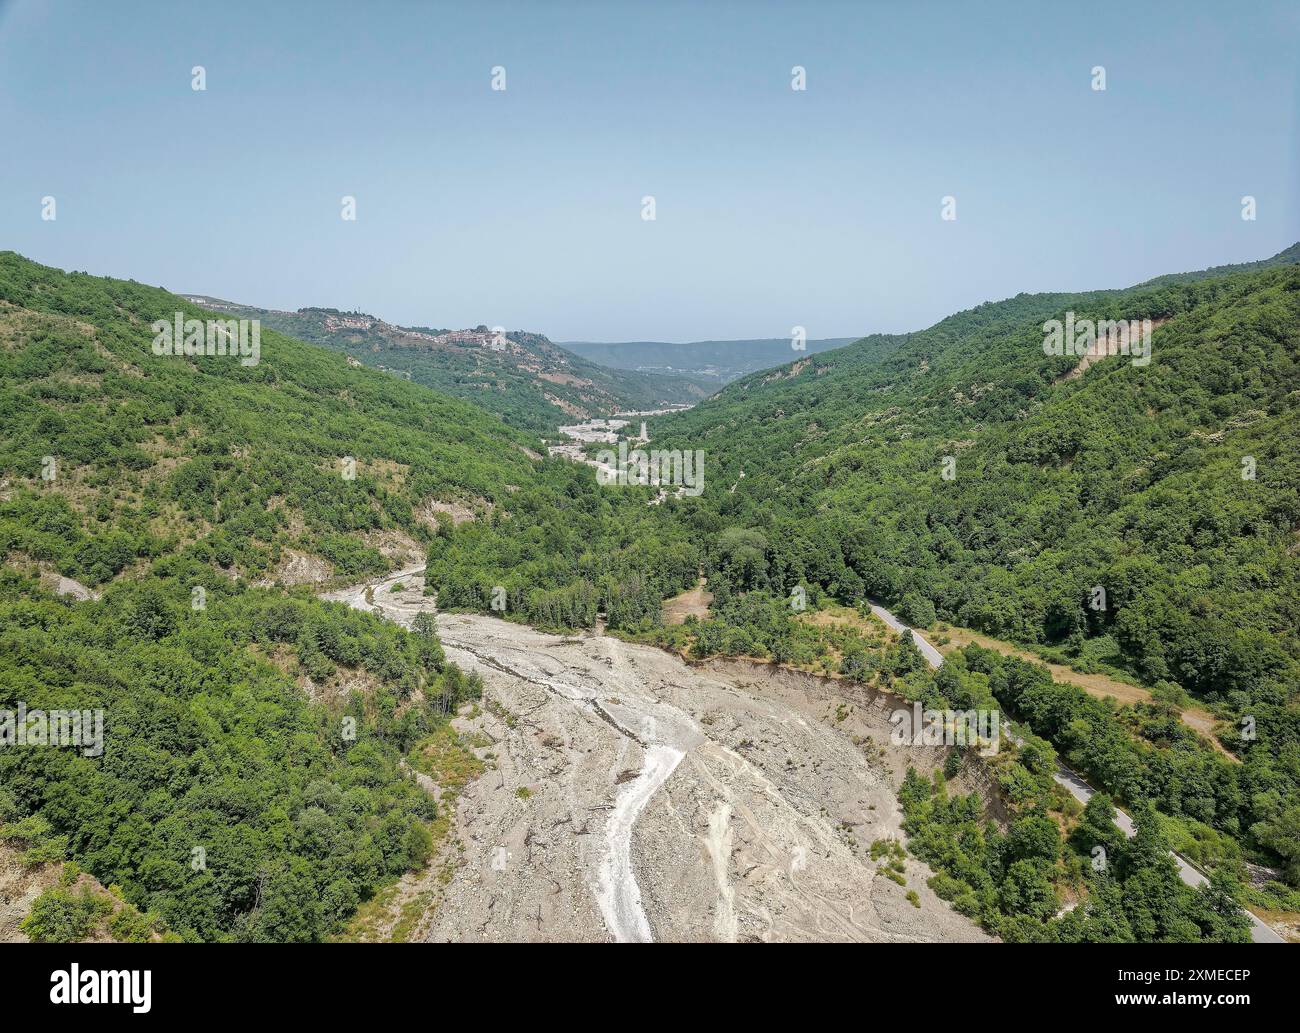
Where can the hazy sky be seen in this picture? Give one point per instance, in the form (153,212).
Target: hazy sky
(523,208)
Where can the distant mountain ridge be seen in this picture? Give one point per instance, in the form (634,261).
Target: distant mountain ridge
(715,362)
(523,377)
(1290,256)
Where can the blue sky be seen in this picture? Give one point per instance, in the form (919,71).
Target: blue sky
(523,208)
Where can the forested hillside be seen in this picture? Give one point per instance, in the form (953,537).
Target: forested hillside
(252,784)
(234,797)
(1131,477)
(1144,518)
(523,377)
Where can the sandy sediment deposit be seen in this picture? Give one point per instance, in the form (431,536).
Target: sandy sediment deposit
(669,802)
(631,796)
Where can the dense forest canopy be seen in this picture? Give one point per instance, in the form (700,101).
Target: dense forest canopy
(171,476)
(1173,487)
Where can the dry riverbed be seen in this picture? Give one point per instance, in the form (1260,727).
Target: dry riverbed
(630,796)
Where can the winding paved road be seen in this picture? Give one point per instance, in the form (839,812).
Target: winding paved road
(1080,790)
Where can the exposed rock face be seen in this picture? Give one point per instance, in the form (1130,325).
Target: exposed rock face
(460,512)
(298,568)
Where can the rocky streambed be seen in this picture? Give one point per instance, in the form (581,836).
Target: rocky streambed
(631,796)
